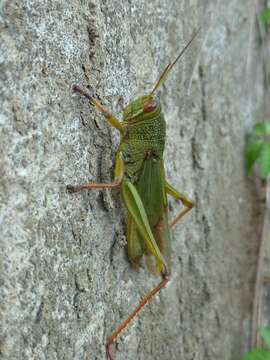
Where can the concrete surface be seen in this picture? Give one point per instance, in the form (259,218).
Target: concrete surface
(65,279)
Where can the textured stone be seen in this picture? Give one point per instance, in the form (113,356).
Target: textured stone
(65,279)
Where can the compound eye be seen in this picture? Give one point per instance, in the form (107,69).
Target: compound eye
(149,106)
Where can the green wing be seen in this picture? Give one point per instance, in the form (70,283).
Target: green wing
(151,188)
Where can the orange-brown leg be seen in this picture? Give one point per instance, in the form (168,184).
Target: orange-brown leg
(76,188)
(186,202)
(109,117)
(141,305)
(118,176)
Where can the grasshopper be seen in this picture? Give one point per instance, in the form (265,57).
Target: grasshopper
(139,173)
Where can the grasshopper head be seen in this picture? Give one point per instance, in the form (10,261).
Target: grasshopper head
(142,108)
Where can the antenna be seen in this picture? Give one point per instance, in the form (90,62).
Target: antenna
(169,67)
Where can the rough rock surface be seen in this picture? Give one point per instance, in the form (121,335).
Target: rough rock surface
(65,279)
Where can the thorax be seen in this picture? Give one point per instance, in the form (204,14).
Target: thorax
(142,140)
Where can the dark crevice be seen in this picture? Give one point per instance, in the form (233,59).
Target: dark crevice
(206,227)
(76,301)
(85,72)
(218,321)
(102,201)
(92,36)
(96,124)
(196,163)
(89,276)
(39,312)
(112,248)
(195,155)
(203,106)
(76,236)
(82,119)
(78,287)
(76,298)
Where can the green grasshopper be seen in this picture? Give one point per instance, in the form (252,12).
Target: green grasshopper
(139,173)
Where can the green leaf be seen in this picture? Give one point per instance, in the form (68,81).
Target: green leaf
(265,334)
(265,16)
(253,151)
(262,128)
(257,354)
(264,160)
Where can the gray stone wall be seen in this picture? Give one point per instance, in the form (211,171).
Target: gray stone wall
(65,279)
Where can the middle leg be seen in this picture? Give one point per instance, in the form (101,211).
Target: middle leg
(185,201)
(118,176)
